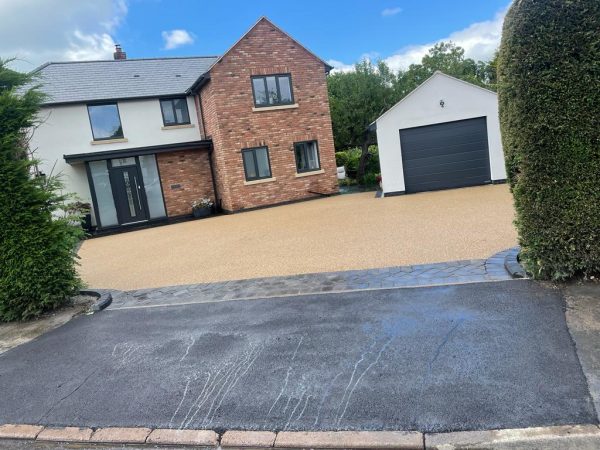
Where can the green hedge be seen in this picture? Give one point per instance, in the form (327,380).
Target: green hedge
(37,240)
(549,95)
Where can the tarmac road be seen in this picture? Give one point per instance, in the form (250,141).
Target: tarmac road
(475,356)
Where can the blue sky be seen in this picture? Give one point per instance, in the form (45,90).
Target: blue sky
(341,32)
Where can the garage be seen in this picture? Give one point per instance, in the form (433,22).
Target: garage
(446,155)
(443,135)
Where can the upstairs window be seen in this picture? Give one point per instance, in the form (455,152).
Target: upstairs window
(256,163)
(272,90)
(175,111)
(307,156)
(105,121)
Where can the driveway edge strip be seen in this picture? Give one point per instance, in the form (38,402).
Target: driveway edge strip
(538,436)
(103,299)
(344,291)
(410,440)
(513,266)
(420,275)
(350,439)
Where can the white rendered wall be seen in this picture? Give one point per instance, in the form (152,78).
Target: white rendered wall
(422,107)
(66,130)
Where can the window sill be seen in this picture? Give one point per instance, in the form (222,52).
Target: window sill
(275,108)
(264,180)
(109,141)
(177,127)
(308,174)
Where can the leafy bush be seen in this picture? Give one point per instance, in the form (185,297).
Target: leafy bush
(351,158)
(347,182)
(348,158)
(37,242)
(372,166)
(548,74)
(341,159)
(370,179)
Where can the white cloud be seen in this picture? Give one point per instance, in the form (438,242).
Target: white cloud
(120,11)
(388,12)
(177,38)
(90,46)
(339,66)
(480,40)
(37,31)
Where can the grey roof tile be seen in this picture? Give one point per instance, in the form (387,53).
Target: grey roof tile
(85,81)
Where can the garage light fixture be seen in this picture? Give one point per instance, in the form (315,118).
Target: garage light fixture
(442,103)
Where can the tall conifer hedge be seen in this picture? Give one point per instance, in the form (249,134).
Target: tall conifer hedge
(37,249)
(549,94)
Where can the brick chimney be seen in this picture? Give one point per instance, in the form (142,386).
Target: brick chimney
(119,53)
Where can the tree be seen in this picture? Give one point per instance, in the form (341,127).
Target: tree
(548,78)
(37,248)
(356,99)
(446,57)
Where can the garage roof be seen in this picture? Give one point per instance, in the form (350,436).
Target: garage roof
(438,73)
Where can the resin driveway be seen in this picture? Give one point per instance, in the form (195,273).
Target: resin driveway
(348,232)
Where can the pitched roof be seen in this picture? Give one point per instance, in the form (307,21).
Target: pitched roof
(328,67)
(84,81)
(436,74)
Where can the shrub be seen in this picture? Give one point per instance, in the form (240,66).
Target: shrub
(37,244)
(549,73)
(372,166)
(341,159)
(350,159)
(370,179)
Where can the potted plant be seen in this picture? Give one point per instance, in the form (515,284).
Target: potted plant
(202,207)
(80,212)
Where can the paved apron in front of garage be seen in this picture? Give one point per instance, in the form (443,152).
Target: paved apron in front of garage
(454,272)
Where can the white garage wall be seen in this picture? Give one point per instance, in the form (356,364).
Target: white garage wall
(422,107)
(66,130)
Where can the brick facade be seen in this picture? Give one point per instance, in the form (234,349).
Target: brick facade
(229,119)
(185,176)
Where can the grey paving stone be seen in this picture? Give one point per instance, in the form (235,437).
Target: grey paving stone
(452,272)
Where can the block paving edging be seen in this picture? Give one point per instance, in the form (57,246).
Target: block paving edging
(438,274)
(410,440)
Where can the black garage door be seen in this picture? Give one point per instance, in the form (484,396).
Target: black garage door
(445,155)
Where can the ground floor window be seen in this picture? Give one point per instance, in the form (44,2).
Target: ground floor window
(257,165)
(307,156)
(126,190)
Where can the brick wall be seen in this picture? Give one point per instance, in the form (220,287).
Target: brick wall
(185,176)
(227,104)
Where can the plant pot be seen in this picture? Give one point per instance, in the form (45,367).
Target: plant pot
(87,222)
(202,212)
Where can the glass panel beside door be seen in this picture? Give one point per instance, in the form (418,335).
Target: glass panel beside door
(126,190)
(105,204)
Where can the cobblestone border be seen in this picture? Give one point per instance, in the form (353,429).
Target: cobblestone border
(103,299)
(438,274)
(512,265)
(587,436)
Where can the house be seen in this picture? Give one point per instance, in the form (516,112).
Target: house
(141,139)
(445,134)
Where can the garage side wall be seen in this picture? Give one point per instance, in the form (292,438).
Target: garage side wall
(422,107)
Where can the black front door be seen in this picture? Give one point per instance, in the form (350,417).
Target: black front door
(127,190)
